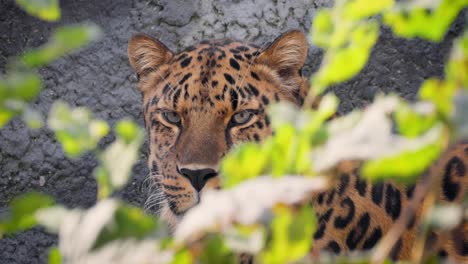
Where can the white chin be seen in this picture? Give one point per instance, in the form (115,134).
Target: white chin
(169,217)
(172,219)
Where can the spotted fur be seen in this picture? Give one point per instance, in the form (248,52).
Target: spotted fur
(191,101)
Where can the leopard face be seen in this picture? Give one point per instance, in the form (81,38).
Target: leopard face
(200,102)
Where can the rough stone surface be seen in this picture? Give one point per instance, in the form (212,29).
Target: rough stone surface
(99,77)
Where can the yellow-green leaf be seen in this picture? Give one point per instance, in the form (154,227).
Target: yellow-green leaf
(48,10)
(457,67)
(64,40)
(23,210)
(405,167)
(244,162)
(341,64)
(411,123)
(76,129)
(291,235)
(440,93)
(358,9)
(429,21)
(127,130)
(118,159)
(129,222)
(54,256)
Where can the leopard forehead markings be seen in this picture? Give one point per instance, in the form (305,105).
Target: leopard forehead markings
(197,86)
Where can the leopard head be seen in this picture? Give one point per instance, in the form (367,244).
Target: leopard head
(200,102)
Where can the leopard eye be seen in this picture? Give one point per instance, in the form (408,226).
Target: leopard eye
(242,117)
(171,117)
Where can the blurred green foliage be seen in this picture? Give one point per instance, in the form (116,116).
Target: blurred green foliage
(54,256)
(288,152)
(117,160)
(23,209)
(351,42)
(21,83)
(457,66)
(424,19)
(16,89)
(76,129)
(411,122)
(215,251)
(63,41)
(78,132)
(128,222)
(48,10)
(290,235)
(405,167)
(347,33)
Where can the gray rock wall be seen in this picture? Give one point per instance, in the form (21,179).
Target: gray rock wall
(100,78)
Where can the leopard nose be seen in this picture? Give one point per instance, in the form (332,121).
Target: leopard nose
(198,177)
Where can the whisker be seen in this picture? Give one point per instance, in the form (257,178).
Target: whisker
(156,197)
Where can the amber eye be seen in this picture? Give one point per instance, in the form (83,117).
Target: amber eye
(171,117)
(242,117)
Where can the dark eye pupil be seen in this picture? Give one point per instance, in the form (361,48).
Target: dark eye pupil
(242,117)
(172,117)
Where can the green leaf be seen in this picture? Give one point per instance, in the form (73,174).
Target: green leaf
(324,33)
(16,89)
(20,85)
(411,123)
(103,180)
(429,21)
(355,53)
(23,210)
(5,116)
(283,151)
(216,251)
(313,129)
(48,10)
(405,167)
(54,256)
(440,93)
(118,158)
(291,235)
(63,41)
(358,9)
(457,66)
(182,257)
(370,135)
(76,129)
(128,222)
(127,130)
(244,162)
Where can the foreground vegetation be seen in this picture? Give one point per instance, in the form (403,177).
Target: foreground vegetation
(299,157)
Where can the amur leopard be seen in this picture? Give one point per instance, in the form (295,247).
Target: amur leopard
(200,102)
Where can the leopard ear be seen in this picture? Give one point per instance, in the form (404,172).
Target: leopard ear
(287,54)
(146,54)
